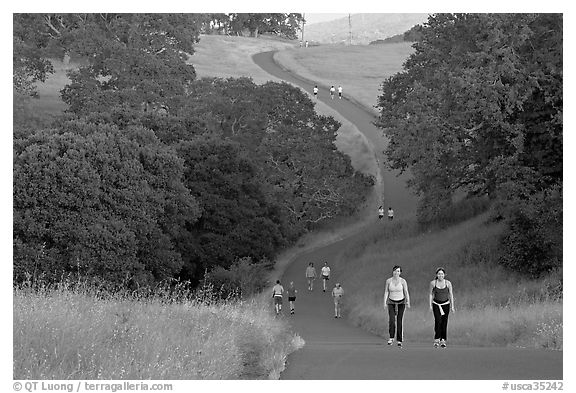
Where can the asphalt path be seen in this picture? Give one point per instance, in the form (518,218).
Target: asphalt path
(336,350)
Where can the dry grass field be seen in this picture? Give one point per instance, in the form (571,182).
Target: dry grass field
(70,333)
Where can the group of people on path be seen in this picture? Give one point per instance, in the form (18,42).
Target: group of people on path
(337,291)
(332,92)
(381,213)
(397,299)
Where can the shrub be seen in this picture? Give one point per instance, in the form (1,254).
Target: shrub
(243,276)
(533,243)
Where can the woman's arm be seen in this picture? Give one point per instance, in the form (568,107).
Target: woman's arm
(449,284)
(431,288)
(406,294)
(386,292)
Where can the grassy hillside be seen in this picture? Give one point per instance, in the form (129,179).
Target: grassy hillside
(228,56)
(360,69)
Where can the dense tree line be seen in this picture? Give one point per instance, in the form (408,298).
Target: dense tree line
(412,35)
(285,25)
(478,107)
(153,174)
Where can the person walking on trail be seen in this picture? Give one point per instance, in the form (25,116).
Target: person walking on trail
(332,90)
(380,212)
(340,92)
(337,294)
(291,296)
(315,90)
(441,301)
(277,292)
(325,271)
(396,299)
(310,276)
(390,214)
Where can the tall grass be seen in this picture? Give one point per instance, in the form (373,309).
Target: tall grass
(64,332)
(493,306)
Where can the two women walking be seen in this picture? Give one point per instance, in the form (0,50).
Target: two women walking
(397,299)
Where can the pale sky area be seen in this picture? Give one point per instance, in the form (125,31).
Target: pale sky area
(324,17)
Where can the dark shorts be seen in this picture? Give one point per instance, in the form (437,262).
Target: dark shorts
(277,299)
(325,277)
(291,298)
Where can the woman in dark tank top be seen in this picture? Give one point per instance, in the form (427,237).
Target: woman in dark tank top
(440,295)
(441,302)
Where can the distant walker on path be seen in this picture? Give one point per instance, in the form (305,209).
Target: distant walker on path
(332,90)
(337,294)
(390,214)
(277,292)
(340,92)
(380,212)
(325,271)
(315,90)
(292,296)
(310,276)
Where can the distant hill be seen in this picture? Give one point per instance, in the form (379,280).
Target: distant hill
(365,28)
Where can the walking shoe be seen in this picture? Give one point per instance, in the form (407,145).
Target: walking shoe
(443,343)
(335,316)
(399,344)
(390,341)
(436,343)
(291,311)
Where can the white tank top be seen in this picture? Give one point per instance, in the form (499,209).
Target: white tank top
(395,291)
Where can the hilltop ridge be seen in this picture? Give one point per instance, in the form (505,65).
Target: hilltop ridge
(365,28)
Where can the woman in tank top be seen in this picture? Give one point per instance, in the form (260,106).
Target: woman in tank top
(396,299)
(441,301)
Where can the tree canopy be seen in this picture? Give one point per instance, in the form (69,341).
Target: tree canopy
(284,25)
(100,202)
(478,107)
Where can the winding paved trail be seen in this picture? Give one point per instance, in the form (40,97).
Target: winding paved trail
(337,350)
